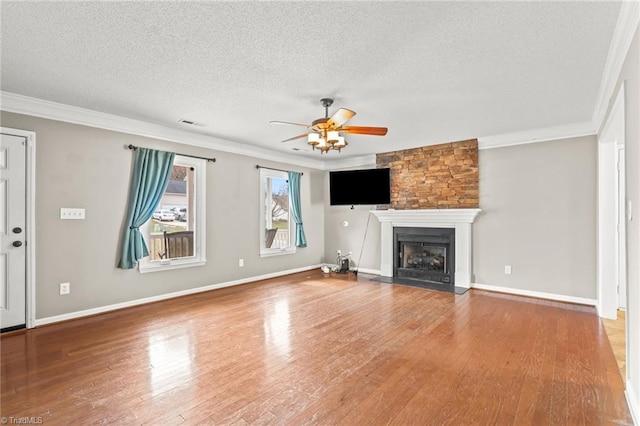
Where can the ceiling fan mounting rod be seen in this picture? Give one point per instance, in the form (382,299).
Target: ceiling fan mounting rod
(326,103)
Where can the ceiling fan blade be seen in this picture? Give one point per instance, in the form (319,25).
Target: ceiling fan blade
(288,123)
(340,117)
(304,135)
(364,130)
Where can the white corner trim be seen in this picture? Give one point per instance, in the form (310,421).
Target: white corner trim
(632,401)
(573,130)
(626,26)
(537,294)
(26,105)
(108,308)
(617,107)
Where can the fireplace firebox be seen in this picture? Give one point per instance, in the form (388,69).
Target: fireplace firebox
(425,254)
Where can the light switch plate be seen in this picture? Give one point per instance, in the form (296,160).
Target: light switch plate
(67,213)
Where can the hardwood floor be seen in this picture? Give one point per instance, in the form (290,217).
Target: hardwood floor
(310,349)
(617,338)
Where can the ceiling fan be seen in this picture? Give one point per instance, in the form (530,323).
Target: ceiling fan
(324,133)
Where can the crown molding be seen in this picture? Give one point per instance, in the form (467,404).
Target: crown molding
(565,131)
(628,21)
(364,160)
(26,105)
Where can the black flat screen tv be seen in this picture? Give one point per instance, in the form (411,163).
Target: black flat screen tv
(352,187)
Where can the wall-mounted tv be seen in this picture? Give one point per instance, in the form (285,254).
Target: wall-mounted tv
(352,187)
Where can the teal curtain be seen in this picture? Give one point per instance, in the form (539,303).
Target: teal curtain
(151,171)
(296,210)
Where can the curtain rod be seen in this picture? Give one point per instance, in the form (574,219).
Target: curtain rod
(258,166)
(133,147)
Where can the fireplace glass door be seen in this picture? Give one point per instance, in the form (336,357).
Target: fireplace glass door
(426,254)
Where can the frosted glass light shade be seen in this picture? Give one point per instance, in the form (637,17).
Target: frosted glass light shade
(333,137)
(313,139)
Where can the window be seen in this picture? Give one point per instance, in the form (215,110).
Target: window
(275,225)
(175,235)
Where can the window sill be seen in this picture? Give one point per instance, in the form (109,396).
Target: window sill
(277,252)
(146,267)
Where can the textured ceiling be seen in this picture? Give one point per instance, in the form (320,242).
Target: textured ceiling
(432,72)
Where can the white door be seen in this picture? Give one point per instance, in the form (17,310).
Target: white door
(12,231)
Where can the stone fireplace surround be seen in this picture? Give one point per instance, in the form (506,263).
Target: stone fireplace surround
(459,219)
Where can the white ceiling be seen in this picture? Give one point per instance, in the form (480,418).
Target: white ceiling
(431,72)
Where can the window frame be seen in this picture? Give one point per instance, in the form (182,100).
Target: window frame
(199,192)
(268,252)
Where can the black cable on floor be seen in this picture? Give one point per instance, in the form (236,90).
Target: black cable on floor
(363,240)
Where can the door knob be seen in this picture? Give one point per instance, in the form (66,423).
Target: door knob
(17,230)
(17,243)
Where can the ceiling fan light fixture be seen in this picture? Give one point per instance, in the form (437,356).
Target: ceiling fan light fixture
(333,137)
(324,133)
(313,139)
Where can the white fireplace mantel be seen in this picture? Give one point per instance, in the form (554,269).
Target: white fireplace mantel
(459,219)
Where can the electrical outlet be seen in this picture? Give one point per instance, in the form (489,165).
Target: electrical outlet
(65,288)
(339,252)
(350,253)
(507,269)
(241,263)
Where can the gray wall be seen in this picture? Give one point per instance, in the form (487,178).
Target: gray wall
(351,238)
(538,215)
(79,166)
(630,74)
(363,227)
(538,206)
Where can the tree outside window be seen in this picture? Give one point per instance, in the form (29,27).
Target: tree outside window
(276,223)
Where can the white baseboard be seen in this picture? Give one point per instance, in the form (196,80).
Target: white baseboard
(538,294)
(369,271)
(633,401)
(108,308)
